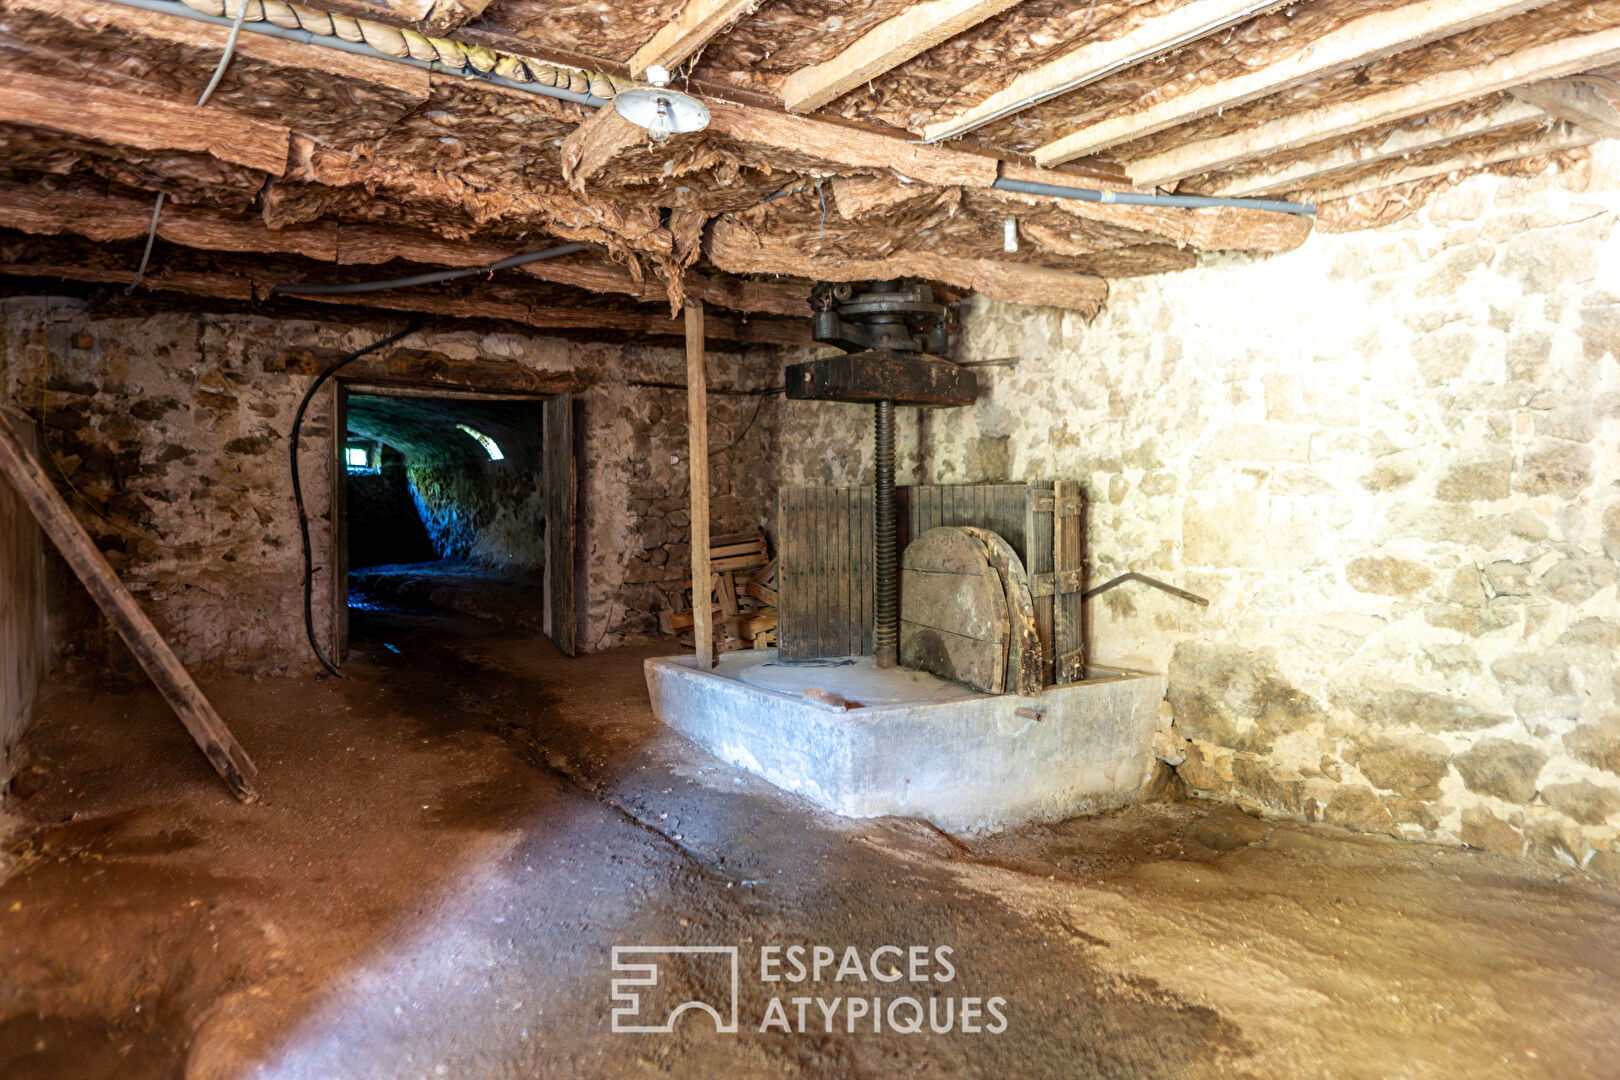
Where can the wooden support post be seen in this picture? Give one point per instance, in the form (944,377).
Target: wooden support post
(697,442)
(172,679)
(1068,628)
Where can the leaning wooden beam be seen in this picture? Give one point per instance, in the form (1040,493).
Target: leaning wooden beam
(737,249)
(1561,137)
(1580,103)
(1433,131)
(698,22)
(886,46)
(172,680)
(541,317)
(697,466)
(1354,44)
(820,142)
(1096,59)
(139,122)
(1563,57)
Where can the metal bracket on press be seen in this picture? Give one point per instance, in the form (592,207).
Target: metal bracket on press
(1059,584)
(1069,506)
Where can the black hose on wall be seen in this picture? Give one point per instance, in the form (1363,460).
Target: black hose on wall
(886,621)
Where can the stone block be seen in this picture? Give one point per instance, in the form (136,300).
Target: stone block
(1597,745)
(1611,531)
(1476,481)
(1412,766)
(1475,621)
(1586,802)
(1387,576)
(1554,467)
(1502,768)
(1235,697)
(1390,704)
(1533,671)
(1574,581)
(1354,806)
(1484,830)
(1259,442)
(1391,473)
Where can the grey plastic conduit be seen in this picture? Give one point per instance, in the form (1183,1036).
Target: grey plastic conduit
(304,37)
(1133,198)
(424,279)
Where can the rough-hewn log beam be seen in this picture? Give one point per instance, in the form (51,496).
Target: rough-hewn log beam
(850,148)
(698,22)
(739,250)
(1354,44)
(328,87)
(1433,132)
(541,317)
(141,123)
(105,219)
(1097,59)
(1562,137)
(1584,104)
(1439,91)
(886,46)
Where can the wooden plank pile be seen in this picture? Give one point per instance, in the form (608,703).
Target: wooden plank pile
(741,594)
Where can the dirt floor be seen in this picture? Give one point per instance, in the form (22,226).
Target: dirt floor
(458,837)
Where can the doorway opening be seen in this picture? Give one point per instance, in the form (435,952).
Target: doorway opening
(456,501)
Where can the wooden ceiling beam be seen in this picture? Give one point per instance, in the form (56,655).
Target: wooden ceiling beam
(1563,136)
(139,122)
(1096,59)
(698,22)
(739,250)
(107,219)
(1551,60)
(886,46)
(1432,132)
(540,317)
(1354,44)
(1581,103)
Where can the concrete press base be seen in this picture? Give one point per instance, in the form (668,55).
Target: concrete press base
(914,745)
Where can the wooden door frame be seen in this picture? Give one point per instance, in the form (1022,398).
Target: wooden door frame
(570,577)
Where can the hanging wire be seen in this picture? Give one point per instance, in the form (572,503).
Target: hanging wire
(208,92)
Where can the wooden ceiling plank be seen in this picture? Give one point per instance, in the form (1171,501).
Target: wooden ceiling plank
(884,47)
(1096,59)
(698,22)
(141,123)
(1551,60)
(1362,41)
(1580,103)
(1563,136)
(1399,143)
(850,148)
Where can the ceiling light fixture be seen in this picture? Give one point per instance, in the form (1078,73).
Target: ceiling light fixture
(661,111)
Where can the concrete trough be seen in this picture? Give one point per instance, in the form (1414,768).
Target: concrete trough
(917,746)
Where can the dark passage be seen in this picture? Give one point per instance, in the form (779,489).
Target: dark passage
(445,506)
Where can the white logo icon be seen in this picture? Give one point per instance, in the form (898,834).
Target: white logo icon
(628,998)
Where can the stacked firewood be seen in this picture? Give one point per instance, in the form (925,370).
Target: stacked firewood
(741,594)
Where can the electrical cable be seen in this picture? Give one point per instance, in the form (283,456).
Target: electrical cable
(436,276)
(208,92)
(1134,198)
(298,486)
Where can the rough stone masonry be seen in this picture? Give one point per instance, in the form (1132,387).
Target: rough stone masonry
(1392,462)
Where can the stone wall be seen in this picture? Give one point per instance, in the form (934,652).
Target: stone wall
(1391,460)
(173,428)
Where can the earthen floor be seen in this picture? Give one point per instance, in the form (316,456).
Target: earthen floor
(456,838)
